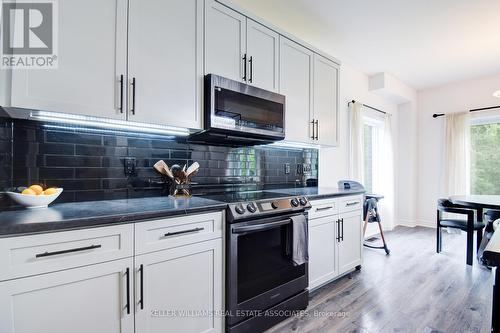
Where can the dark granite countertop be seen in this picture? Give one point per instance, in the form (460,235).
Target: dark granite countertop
(95,213)
(313,193)
(88,214)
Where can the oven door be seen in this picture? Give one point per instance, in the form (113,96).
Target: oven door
(237,108)
(260,269)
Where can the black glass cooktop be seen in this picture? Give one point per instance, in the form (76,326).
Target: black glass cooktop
(232,197)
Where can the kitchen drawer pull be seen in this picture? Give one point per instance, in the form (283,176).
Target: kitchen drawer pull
(127,273)
(323,208)
(182,232)
(313,135)
(48,254)
(352,203)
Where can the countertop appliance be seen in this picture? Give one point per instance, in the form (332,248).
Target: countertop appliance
(238,114)
(263,282)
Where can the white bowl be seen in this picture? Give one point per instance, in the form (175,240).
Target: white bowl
(34,201)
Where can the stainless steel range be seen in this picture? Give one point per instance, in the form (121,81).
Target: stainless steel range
(266,259)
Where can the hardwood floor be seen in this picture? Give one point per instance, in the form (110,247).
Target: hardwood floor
(412,290)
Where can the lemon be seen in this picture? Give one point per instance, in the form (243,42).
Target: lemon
(28,191)
(37,189)
(50,191)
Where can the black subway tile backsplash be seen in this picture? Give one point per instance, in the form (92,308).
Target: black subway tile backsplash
(90,165)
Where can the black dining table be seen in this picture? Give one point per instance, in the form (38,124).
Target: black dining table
(478,202)
(491,251)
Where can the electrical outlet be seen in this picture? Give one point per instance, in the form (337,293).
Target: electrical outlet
(287,168)
(129,164)
(300,169)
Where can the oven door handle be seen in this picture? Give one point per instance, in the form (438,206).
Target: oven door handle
(260,227)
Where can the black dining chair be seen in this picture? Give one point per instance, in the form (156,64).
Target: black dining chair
(469,225)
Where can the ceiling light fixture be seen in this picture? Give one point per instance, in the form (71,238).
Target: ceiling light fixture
(497,93)
(106,123)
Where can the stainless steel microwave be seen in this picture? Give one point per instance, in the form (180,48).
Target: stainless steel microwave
(240,114)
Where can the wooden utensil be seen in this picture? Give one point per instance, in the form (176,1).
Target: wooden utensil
(163,168)
(192,169)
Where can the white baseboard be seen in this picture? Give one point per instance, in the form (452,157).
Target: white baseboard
(407,223)
(415,223)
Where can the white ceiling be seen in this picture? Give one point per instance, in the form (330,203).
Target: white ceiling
(424,43)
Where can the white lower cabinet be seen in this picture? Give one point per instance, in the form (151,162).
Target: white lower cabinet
(174,285)
(79,300)
(180,289)
(351,245)
(322,251)
(335,239)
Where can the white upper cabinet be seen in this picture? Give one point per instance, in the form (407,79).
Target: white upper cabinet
(91,59)
(296,84)
(325,100)
(239,48)
(225,41)
(262,53)
(165,62)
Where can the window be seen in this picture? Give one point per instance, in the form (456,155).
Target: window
(372,136)
(485,156)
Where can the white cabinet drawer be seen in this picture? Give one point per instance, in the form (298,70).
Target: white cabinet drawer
(351,203)
(325,207)
(167,233)
(43,253)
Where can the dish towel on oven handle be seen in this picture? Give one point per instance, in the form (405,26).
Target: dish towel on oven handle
(300,254)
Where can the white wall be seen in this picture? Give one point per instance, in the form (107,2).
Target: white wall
(455,97)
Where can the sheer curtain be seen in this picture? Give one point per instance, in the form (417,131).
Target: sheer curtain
(357,147)
(457,154)
(385,185)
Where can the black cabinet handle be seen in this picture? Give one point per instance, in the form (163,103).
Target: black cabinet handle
(250,62)
(141,286)
(48,254)
(338,230)
(121,94)
(127,273)
(317,129)
(132,109)
(323,208)
(245,67)
(313,136)
(342,226)
(352,203)
(183,232)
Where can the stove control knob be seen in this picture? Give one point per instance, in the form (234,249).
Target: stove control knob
(294,202)
(274,204)
(251,207)
(303,201)
(239,209)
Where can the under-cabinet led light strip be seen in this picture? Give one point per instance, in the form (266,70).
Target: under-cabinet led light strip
(107,123)
(293,145)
